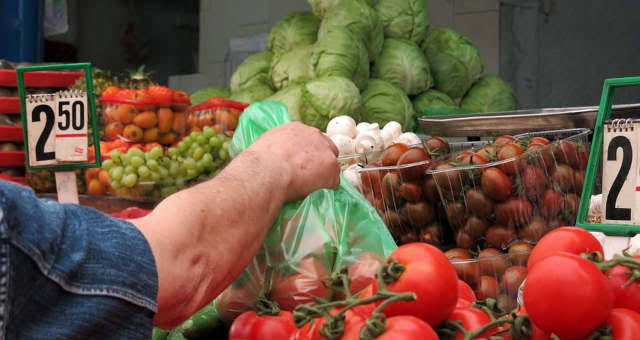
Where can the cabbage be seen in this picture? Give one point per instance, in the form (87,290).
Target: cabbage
(253,71)
(329,97)
(341,53)
(321,7)
(489,94)
(455,62)
(292,97)
(383,102)
(291,67)
(208,92)
(433,99)
(403,64)
(295,30)
(404,19)
(252,94)
(359,17)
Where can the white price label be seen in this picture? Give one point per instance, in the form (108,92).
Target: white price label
(620,172)
(41,117)
(71,126)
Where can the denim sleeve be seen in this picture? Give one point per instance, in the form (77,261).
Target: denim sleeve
(71,272)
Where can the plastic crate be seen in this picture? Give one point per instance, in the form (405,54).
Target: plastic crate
(12,159)
(11,133)
(40,78)
(10,105)
(18,180)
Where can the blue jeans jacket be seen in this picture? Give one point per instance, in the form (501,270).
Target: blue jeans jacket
(71,272)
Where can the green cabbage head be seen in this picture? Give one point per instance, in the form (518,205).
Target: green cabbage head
(321,7)
(432,99)
(455,61)
(403,64)
(205,93)
(341,53)
(295,30)
(329,97)
(291,96)
(252,94)
(253,71)
(404,19)
(291,67)
(383,102)
(489,94)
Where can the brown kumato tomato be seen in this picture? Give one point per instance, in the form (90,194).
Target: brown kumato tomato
(492,262)
(487,287)
(412,164)
(496,184)
(512,279)
(391,154)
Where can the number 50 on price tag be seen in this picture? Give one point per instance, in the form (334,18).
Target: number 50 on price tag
(56,124)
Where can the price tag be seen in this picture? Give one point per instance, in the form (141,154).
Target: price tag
(620,184)
(71,139)
(41,117)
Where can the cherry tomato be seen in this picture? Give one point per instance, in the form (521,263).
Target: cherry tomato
(424,263)
(534,181)
(488,287)
(565,239)
(437,146)
(512,279)
(488,151)
(562,177)
(449,181)
(629,296)
(299,288)
(567,295)
(496,184)
(413,172)
(515,211)
(505,139)
(625,324)
(402,327)
(391,154)
(509,151)
(472,320)
(551,203)
(470,158)
(465,292)
(493,262)
(478,203)
(567,152)
(250,326)
(539,140)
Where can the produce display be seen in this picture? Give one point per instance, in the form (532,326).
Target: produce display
(219,113)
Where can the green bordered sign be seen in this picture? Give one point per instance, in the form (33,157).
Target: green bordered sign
(55,125)
(614,167)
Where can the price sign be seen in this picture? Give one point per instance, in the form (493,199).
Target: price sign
(620,171)
(616,153)
(71,126)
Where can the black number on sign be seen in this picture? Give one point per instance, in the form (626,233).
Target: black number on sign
(613,213)
(74,118)
(48,126)
(78,113)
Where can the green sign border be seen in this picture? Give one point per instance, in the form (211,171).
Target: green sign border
(604,113)
(20,71)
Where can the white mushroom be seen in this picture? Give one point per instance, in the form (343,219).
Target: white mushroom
(374,127)
(342,125)
(368,141)
(394,128)
(345,144)
(362,127)
(408,138)
(387,138)
(352,176)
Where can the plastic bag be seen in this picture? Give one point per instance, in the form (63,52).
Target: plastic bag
(310,239)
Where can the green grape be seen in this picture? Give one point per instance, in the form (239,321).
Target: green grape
(126,159)
(129,169)
(207,159)
(208,132)
(198,153)
(225,145)
(164,161)
(115,184)
(144,172)
(135,152)
(172,152)
(223,155)
(189,164)
(152,164)
(207,148)
(179,182)
(174,168)
(215,142)
(166,182)
(155,176)
(167,191)
(193,148)
(183,146)
(116,173)
(156,151)
(192,173)
(115,156)
(195,135)
(130,180)
(202,139)
(137,161)
(164,173)
(200,167)
(107,164)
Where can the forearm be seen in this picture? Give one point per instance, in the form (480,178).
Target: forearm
(203,237)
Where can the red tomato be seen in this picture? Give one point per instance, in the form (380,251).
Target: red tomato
(496,184)
(234,301)
(363,271)
(539,140)
(465,292)
(311,331)
(567,295)
(299,288)
(250,325)
(625,324)
(565,239)
(437,146)
(536,332)
(462,303)
(472,320)
(403,327)
(424,263)
(502,140)
(628,297)
(534,181)
(511,151)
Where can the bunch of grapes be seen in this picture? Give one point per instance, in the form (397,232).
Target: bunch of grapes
(154,175)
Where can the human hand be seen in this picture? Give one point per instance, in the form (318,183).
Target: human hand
(306,159)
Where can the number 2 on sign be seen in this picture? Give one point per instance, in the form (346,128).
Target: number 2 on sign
(619,175)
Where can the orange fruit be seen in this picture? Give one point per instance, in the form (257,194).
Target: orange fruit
(95,188)
(167,138)
(103,177)
(109,112)
(195,129)
(206,119)
(113,130)
(150,135)
(179,122)
(192,120)
(229,133)
(165,119)
(132,133)
(218,128)
(226,119)
(146,120)
(125,113)
(149,146)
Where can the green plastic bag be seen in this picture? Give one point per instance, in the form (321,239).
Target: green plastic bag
(310,239)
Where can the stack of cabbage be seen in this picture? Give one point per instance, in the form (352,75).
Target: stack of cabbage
(372,60)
